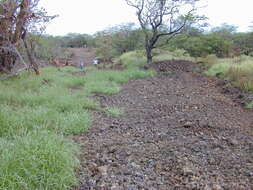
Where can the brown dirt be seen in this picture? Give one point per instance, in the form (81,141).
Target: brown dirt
(87,55)
(179,131)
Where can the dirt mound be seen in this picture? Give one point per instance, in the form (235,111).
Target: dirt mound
(179,131)
(174,66)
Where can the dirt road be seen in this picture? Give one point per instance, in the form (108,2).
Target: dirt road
(85,55)
(179,131)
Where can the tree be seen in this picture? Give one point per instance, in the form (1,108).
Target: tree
(118,39)
(162,18)
(126,37)
(224,31)
(17,19)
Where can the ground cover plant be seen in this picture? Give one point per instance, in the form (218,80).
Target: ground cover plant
(37,113)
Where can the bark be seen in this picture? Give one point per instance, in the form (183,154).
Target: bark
(11,31)
(149,55)
(7,60)
(31,58)
(21,20)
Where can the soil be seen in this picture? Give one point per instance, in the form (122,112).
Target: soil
(180,130)
(86,55)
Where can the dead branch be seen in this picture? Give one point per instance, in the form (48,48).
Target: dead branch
(14,74)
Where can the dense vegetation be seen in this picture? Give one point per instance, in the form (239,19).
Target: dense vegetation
(222,41)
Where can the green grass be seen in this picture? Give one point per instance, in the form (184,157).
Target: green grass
(36,112)
(116,112)
(162,55)
(249,106)
(219,69)
(40,160)
(238,70)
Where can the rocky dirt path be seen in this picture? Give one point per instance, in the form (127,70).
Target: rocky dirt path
(179,131)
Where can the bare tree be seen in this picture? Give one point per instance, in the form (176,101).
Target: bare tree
(162,18)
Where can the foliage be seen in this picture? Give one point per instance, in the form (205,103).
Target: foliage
(117,40)
(210,60)
(46,47)
(76,40)
(202,45)
(244,42)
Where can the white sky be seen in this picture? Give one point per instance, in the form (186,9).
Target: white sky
(90,16)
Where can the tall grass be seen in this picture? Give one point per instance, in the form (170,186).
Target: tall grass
(238,70)
(178,54)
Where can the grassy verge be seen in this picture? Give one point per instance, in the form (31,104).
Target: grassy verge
(37,113)
(238,70)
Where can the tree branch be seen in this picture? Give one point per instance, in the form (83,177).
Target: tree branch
(14,74)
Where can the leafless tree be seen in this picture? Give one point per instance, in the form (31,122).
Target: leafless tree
(162,18)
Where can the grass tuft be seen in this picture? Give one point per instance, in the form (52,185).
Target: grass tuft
(116,112)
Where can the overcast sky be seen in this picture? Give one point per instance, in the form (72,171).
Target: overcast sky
(90,16)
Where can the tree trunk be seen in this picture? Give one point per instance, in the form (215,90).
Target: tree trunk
(149,55)
(31,58)
(7,60)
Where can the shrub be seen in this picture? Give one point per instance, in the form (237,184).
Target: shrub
(210,60)
(177,54)
(219,69)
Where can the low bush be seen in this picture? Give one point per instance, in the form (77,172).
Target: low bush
(177,54)
(209,60)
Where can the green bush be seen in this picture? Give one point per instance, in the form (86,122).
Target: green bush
(210,60)
(177,54)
